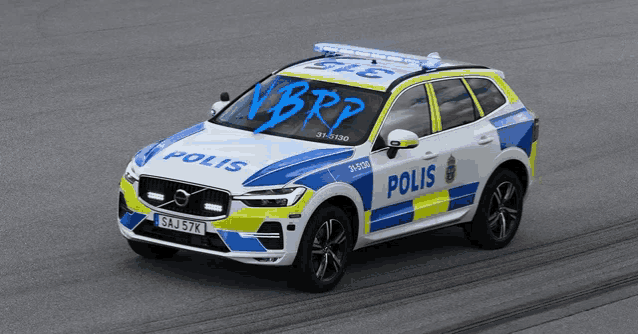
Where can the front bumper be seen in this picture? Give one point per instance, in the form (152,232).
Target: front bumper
(263,247)
(276,258)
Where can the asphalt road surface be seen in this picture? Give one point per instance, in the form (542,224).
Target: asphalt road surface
(85,84)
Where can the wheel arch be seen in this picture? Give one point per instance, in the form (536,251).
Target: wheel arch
(345,197)
(346,204)
(516,160)
(478,230)
(519,168)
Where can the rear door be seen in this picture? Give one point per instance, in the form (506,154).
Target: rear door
(469,144)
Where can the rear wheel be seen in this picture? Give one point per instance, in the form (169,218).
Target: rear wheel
(323,250)
(151,251)
(499,212)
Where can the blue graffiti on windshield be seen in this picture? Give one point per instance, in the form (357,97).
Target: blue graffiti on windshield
(258,101)
(347,113)
(289,99)
(321,95)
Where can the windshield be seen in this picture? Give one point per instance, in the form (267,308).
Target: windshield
(305,109)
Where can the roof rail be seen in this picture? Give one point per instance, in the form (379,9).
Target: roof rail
(400,79)
(431,62)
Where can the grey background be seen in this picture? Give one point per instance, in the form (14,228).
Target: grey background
(85,84)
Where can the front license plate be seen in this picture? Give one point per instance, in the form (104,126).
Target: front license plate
(181,225)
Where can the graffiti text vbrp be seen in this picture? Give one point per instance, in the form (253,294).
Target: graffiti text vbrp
(290,97)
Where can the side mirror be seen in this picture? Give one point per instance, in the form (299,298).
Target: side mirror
(400,139)
(219,105)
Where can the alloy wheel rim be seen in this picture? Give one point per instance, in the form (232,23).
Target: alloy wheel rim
(504,210)
(328,250)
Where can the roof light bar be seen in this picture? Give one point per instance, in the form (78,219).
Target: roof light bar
(432,61)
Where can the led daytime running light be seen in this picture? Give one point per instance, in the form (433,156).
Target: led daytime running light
(213,207)
(155,196)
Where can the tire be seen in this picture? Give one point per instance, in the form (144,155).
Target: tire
(323,250)
(499,212)
(151,251)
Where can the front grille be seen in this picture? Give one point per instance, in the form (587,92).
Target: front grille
(200,196)
(272,243)
(210,241)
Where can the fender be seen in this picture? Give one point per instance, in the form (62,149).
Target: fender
(510,153)
(513,153)
(321,196)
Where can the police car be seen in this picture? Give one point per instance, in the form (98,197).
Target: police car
(334,153)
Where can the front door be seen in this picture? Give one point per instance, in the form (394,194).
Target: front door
(409,187)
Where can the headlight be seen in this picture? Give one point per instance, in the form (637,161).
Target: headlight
(130,175)
(272,197)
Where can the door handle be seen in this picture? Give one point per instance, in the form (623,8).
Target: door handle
(485,140)
(429,155)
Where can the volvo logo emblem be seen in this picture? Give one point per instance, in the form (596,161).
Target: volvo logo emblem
(181,197)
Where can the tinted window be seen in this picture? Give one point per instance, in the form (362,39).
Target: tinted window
(487,94)
(305,109)
(455,103)
(411,111)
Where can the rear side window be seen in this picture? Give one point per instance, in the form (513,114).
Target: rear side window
(455,103)
(487,94)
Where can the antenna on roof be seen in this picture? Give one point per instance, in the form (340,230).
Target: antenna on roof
(431,62)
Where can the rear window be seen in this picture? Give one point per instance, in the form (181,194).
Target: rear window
(487,94)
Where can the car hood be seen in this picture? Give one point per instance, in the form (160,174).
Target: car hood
(235,160)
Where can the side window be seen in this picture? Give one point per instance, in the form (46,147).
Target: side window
(455,103)
(487,94)
(411,111)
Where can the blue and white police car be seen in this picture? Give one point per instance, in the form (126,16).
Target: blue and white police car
(334,153)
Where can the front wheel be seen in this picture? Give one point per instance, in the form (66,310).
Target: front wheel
(323,250)
(499,212)
(151,251)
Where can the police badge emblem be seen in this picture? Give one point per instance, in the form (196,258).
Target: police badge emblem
(450,172)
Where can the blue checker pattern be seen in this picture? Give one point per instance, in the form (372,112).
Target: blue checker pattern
(285,170)
(131,220)
(403,213)
(238,244)
(515,129)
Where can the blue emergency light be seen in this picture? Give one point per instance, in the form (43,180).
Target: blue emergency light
(430,62)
